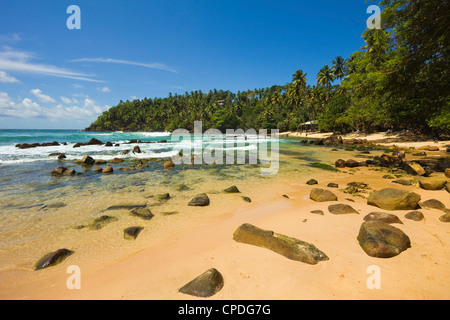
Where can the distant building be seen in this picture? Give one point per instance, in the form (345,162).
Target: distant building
(220,103)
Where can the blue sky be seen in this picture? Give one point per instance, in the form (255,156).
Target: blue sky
(56,78)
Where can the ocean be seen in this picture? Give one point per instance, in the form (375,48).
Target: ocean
(40,213)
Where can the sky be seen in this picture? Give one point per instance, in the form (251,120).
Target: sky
(56,77)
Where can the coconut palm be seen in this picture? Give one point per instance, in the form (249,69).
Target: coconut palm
(325,76)
(339,67)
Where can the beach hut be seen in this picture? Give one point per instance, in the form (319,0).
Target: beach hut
(312,125)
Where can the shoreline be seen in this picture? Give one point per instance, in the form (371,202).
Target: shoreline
(157,269)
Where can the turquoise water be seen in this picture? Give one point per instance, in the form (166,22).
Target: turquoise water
(39,212)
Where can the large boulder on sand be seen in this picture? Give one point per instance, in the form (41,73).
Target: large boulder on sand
(200,200)
(322,195)
(381,240)
(433,183)
(394,199)
(205,285)
(382,217)
(291,248)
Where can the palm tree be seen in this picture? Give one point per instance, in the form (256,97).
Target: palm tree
(300,76)
(339,67)
(325,76)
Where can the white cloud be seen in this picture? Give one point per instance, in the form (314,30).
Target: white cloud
(42,97)
(159,66)
(18,61)
(6,78)
(14,37)
(68,100)
(26,108)
(104,89)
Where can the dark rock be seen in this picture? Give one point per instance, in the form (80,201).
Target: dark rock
(136,149)
(350,163)
(311,182)
(143,213)
(108,144)
(341,208)
(388,160)
(285,196)
(124,152)
(126,207)
(246,199)
(100,161)
(77,145)
(61,156)
(52,258)
(199,200)
(97,169)
(132,232)
(382,217)
(100,222)
(94,141)
(339,163)
(319,212)
(447,187)
(381,240)
(403,182)
(87,160)
(205,285)
(232,189)
(432,183)
(321,195)
(388,176)
(420,154)
(333,185)
(414,215)
(433,204)
(394,199)
(291,248)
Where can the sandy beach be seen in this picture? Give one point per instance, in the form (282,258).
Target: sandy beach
(158,269)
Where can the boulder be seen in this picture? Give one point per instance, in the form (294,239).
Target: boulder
(382,217)
(205,285)
(414,168)
(136,149)
(319,212)
(108,169)
(115,160)
(339,163)
(108,144)
(94,141)
(232,189)
(87,160)
(381,240)
(432,183)
(132,232)
(414,215)
(388,160)
(350,163)
(52,258)
(445,217)
(394,199)
(433,204)
(143,213)
(291,248)
(168,164)
(199,200)
(246,199)
(322,195)
(341,208)
(332,185)
(100,222)
(312,182)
